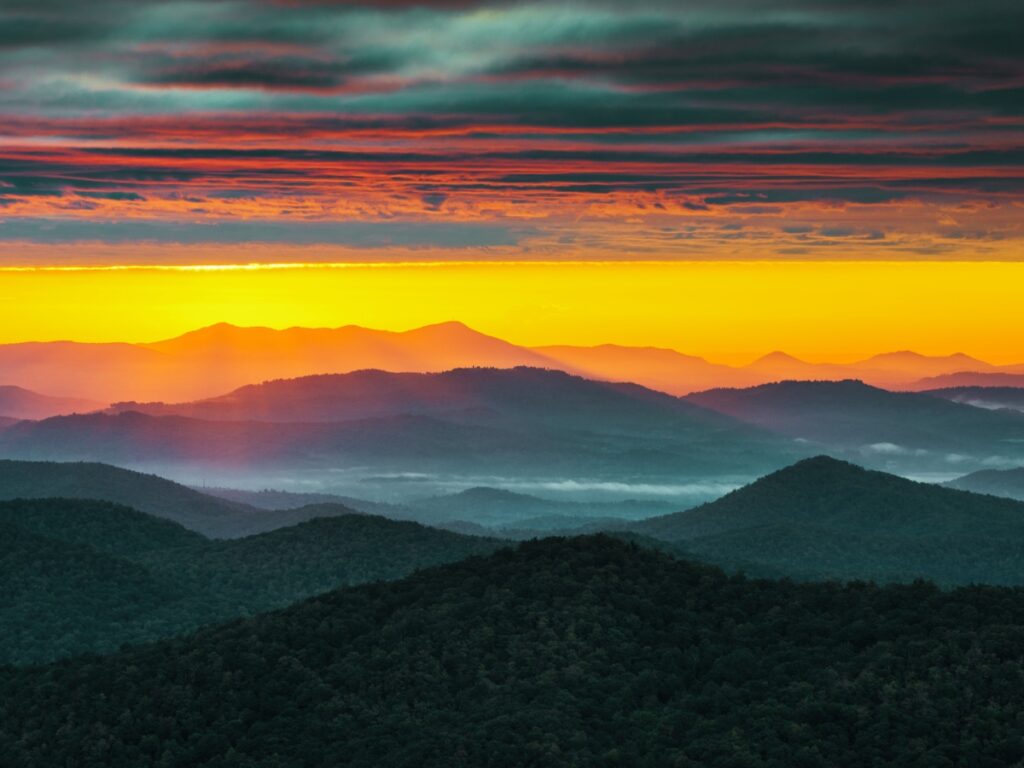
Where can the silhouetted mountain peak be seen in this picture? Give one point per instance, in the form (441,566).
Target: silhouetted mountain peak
(822,464)
(778,356)
(450,326)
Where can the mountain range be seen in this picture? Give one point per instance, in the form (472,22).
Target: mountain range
(497,509)
(487,422)
(211,361)
(993,398)
(902,431)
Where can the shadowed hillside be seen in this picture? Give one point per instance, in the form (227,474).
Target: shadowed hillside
(85,575)
(828,518)
(560,653)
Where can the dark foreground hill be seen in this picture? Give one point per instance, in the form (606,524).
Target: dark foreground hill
(824,518)
(82,575)
(578,652)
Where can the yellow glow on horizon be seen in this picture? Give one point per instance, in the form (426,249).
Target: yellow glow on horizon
(725,311)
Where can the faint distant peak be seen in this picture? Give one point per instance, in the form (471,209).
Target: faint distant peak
(911,355)
(778,356)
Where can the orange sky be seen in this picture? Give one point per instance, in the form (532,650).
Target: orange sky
(725,311)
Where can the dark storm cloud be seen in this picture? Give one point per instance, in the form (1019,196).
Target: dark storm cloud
(425,109)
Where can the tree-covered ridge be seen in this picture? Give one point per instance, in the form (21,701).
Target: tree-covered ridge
(277,568)
(147,493)
(564,652)
(81,575)
(59,597)
(102,526)
(823,518)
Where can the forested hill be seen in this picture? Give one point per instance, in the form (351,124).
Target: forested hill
(81,575)
(564,652)
(823,518)
(147,493)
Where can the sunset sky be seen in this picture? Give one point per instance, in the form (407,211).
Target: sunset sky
(815,138)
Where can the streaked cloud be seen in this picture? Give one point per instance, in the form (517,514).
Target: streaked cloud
(695,129)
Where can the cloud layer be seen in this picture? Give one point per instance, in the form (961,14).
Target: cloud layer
(562,129)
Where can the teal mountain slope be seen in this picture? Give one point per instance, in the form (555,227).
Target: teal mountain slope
(578,652)
(827,518)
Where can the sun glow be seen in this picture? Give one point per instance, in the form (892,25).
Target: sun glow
(727,311)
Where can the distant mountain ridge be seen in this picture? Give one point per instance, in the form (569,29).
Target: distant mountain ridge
(907,429)
(995,482)
(210,361)
(17,403)
(486,509)
(1011,378)
(503,422)
(461,393)
(992,398)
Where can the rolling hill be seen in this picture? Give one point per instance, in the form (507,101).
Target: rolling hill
(561,653)
(83,575)
(823,518)
(147,493)
(995,482)
(18,403)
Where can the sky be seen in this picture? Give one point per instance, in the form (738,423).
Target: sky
(162,133)
(731,312)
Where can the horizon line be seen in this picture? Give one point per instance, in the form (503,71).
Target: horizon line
(533,348)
